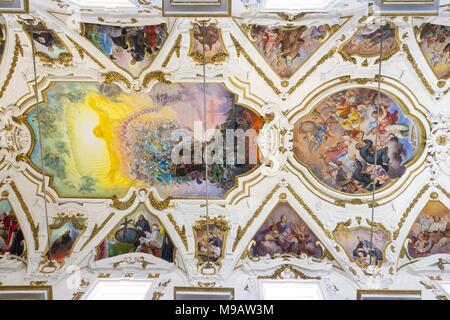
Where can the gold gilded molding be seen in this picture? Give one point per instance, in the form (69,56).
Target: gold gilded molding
(409,209)
(77,295)
(157,295)
(239,51)
(309,211)
(34,228)
(96,230)
(113,76)
(241,231)
(159,205)
(202,225)
(278,273)
(352,270)
(175,49)
(445,192)
(82,51)
(327,56)
(62,218)
(181,232)
(198,57)
(64,58)
(141,260)
(345,226)
(158,75)
(78,221)
(291,17)
(117,204)
(38,283)
(17,50)
(351,58)
(355,201)
(416,68)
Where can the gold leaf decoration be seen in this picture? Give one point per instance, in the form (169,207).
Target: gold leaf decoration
(175,49)
(159,205)
(278,273)
(409,209)
(158,75)
(181,232)
(117,204)
(241,231)
(17,50)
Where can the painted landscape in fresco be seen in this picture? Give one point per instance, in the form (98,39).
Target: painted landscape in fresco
(210,244)
(138,232)
(336,140)
(132,48)
(100,141)
(12,240)
(366,42)
(430,233)
(286,48)
(63,234)
(435,45)
(214,47)
(284,232)
(47,44)
(356,243)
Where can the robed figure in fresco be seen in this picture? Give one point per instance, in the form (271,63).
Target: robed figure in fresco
(284,232)
(62,245)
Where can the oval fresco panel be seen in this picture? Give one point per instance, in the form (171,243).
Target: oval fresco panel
(335,141)
(100,141)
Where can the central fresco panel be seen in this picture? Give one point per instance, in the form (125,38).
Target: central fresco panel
(336,140)
(99,141)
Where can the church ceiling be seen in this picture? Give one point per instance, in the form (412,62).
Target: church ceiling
(114,88)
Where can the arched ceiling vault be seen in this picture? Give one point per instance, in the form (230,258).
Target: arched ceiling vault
(306,83)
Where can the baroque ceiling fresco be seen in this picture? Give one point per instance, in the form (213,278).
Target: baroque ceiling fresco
(92,155)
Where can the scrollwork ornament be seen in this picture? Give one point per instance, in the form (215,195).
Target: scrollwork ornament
(275,141)
(287,271)
(159,204)
(15,139)
(438,158)
(117,204)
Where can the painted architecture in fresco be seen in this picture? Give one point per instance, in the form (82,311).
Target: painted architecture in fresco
(12,240)
(285,49)
(132,48)
(434,41)
(138,232)
(211,240)
(356,243)
(48,45)
(64,233)
(367,40)
(430,233)
(335,141)
(100,141)
(215,50)
(284,232)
